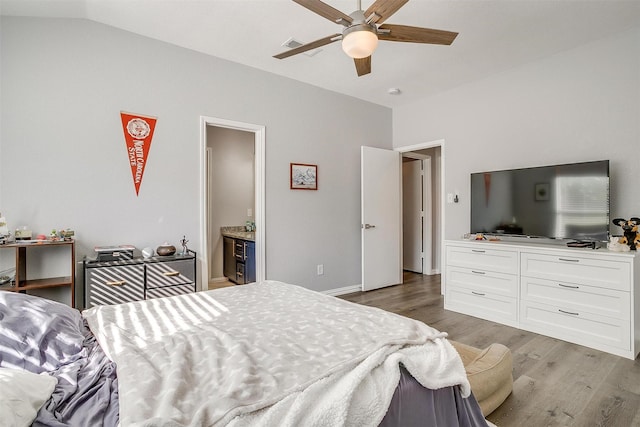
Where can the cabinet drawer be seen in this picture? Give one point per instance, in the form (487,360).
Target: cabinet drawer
(483,281)
(575,326)
(170,273)
(487,259)
(114,285)
(577,298)
(484,305)
(579,270)
(170,291)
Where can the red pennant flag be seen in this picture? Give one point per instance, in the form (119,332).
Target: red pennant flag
(138,132)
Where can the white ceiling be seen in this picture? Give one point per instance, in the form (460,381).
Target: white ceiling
(495,35)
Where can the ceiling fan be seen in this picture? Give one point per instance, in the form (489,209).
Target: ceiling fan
(363,29)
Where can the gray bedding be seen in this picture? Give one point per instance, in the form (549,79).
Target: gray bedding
(39,335)
(413,405)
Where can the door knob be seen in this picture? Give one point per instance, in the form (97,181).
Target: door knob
(368,226)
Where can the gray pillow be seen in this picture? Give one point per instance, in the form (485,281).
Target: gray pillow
(37,334)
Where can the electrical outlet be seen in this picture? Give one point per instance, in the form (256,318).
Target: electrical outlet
(249,212)
(320,269)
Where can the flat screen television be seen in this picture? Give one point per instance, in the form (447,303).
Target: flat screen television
(569,201)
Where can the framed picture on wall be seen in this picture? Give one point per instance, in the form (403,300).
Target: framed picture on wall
(304,176)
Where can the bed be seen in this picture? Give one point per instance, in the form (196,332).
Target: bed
(254,355)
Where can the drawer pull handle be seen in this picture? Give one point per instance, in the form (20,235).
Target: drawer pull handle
(171,273)
(477,293)
(569,259)
(569,312)
(477,251)
(240,274)
(568,286)
(478,272)
(116,283)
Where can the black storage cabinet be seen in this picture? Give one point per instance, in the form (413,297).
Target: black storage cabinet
(116,282)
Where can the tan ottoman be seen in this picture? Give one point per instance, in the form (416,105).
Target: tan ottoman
(490,373)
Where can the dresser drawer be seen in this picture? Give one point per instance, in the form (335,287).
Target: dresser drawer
(170,273)
(483,281)
(488,306)
(114,285)
(603,273)
(577,298)
(481,257)
(579,327)
(170,291)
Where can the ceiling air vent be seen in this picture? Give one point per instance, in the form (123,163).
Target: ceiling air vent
(292,43)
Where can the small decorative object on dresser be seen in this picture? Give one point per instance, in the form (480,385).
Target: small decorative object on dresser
(147,253)
(183,242)
(615,245)
(166,249)
(114,253)
(629,227)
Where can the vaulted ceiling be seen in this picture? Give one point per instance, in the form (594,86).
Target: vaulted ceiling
(494,36)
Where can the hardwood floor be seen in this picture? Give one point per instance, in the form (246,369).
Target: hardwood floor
(218,285)
(555,383)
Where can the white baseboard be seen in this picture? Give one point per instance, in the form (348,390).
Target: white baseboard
(218,279)
(343,291)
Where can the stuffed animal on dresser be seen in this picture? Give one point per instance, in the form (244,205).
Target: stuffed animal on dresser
(630,235)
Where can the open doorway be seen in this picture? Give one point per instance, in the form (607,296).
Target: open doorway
(244,134)
(231,195)
(435,151)
(417,233)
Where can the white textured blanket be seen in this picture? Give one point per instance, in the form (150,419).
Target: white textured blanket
(265,354)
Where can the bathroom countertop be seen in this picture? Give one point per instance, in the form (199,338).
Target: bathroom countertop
(238,232)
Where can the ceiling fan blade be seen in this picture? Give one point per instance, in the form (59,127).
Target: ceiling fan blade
(363,65)
(384,9)
(404,33)
(324,10)
(308,46)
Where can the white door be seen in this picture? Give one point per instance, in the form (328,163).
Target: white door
(412,215)
(381,194)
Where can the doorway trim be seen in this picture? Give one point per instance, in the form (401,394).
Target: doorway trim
(259,141)
(421,146)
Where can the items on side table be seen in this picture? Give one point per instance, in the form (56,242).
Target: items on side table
(19,278)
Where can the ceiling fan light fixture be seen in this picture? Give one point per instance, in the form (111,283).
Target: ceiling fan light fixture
(359,41)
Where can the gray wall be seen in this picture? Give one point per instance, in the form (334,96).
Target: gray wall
(64,164)
(579,105)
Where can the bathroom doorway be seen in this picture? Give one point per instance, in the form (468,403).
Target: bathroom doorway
(232,190)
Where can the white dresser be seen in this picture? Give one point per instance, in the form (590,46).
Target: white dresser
(582,296)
